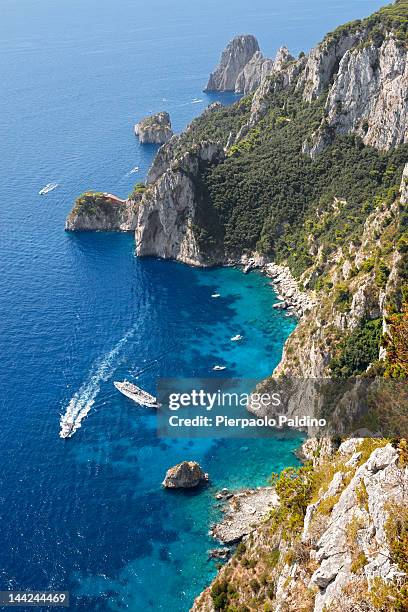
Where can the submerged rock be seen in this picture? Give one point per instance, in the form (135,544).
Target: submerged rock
(185,475)
(155,129)
(219,553)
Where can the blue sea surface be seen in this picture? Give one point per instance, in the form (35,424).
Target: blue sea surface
(78,311)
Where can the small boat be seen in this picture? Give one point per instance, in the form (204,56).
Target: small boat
(67,429)
(218,368)
(135,169)
(137,394)
(48,187)
(237,338)
(215,295)
(196,101)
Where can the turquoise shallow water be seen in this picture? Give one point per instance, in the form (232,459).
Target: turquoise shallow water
(78,311)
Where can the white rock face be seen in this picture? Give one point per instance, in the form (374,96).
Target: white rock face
(370,97)
(168,209)
(253,72)
(155,129)
(321,64)
(384,483)
(233,59)
(404,185)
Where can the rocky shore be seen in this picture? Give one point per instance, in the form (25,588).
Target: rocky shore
(287,288)
(290,295)
(243,512)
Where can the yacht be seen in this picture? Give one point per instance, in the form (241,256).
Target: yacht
(237,338)
(137,394)
(215,295)
(49,187)
(218,368)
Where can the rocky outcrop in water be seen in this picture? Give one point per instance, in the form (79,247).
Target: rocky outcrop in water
(233,60)
(102,212)
(155,129)
(166,220)
(242,67)
(185,475)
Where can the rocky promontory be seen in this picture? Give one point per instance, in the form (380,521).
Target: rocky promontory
(155,129)
(243,513)
(233,60)
(171,210)
(242,66)
(185,475)
(94,211)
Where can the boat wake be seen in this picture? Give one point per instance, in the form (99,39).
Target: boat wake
(82,401)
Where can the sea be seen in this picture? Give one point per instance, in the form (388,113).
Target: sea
(88,515)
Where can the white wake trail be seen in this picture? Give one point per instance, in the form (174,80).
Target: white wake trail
(82,401)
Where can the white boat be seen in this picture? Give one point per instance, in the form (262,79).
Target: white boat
(237,338)
(215,295)
(218,368)
(137,394)
(67,429)
(48,187)
(135,169)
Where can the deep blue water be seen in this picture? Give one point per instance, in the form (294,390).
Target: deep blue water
(77,311)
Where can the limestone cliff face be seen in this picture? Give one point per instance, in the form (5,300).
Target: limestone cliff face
(155,129)
(369,96)
(260,67)
(165,223)
(322,64)
(252,73)
(242,67)
(102,212)
(344,554)
(233,59)
(309,349)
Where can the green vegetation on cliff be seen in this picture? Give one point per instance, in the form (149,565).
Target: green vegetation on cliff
(358,350)
(390,18)
(271,197)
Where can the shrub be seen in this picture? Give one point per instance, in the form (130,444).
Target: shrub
(342,297)
(358,350)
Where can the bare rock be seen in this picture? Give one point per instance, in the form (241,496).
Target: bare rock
(244,511)
(233,59)
(155,129)
(185,475)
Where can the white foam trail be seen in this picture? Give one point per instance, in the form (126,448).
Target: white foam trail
(82,401)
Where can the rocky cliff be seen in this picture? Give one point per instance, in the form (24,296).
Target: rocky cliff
(168,223)
(242,66)
(155,129)
(233,60)
(102,212)
(338,540)
(369,96)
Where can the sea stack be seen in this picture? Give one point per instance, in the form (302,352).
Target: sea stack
(233,60)
(242,66)
(155,129)
(185,475)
